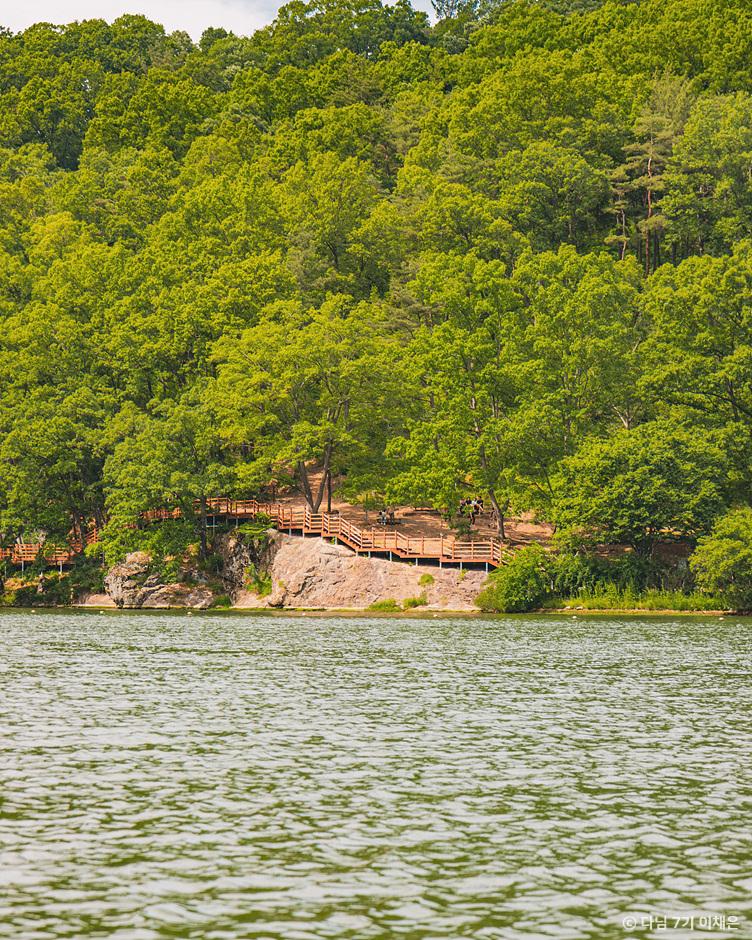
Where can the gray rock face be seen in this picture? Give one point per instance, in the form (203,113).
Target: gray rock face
(238,554)
(130,584)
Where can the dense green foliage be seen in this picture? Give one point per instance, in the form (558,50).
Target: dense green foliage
(521,584)
(510,254)
(723,560)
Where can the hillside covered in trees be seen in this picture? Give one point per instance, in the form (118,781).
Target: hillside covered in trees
(509,254)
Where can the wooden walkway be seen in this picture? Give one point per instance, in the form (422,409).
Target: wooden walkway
(380,540)
(24,553)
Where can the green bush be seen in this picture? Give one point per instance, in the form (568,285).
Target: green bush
(573,573)
(86,577)
(20,595)
(613,598)
(47,590)
(425,580)
(388,604)
(167,543)
(260,582)
(212,565)
(56,590)
(222,601)
(463,528)
(522,584)
(256,529)
(722,561)
(411,602)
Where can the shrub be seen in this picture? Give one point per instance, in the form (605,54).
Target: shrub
(573,573)
(221,600)
(613,598)
(260,582)
(410,602)
(388,604)
(55,590)
(425,580)
(19,594)
(523,583)
(722,561)
(256,529)
(86,577)
(462,528)
(46,590)
(212,565)
(167,543)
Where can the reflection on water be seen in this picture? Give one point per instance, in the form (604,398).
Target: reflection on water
(233,777)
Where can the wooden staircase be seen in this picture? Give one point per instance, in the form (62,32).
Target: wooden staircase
(380,540)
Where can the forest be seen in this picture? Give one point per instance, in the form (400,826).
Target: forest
(507,254)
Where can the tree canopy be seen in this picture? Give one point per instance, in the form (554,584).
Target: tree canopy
(509,254)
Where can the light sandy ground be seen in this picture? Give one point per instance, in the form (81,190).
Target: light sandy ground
(96,600)
(423,521)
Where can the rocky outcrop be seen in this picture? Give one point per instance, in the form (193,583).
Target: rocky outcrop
(304,572)
(133,584)
(313,573)
(240,554)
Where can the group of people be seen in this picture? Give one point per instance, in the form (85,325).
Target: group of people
(473,507)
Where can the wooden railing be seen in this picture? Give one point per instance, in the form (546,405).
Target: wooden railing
(381,540)
(22,553)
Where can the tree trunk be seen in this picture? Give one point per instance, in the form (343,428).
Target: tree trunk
(500,514)
(79,530)
(314,502)
(329,490)
(202,527)
(305,482)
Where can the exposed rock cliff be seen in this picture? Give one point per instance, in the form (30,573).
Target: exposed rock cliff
(132,584)
(304,572)
(309,572)
(241,554)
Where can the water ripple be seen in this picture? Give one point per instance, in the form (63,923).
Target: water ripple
(252,777)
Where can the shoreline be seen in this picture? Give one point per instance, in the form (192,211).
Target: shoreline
(414,614)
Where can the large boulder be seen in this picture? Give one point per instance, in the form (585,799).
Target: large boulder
(133,584)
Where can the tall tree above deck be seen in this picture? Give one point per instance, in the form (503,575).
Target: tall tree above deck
(310,390)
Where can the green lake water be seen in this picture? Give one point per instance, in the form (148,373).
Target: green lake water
(226,776)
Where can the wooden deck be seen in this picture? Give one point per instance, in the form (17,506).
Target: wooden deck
(23,553)
(374,540)
(381,540)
